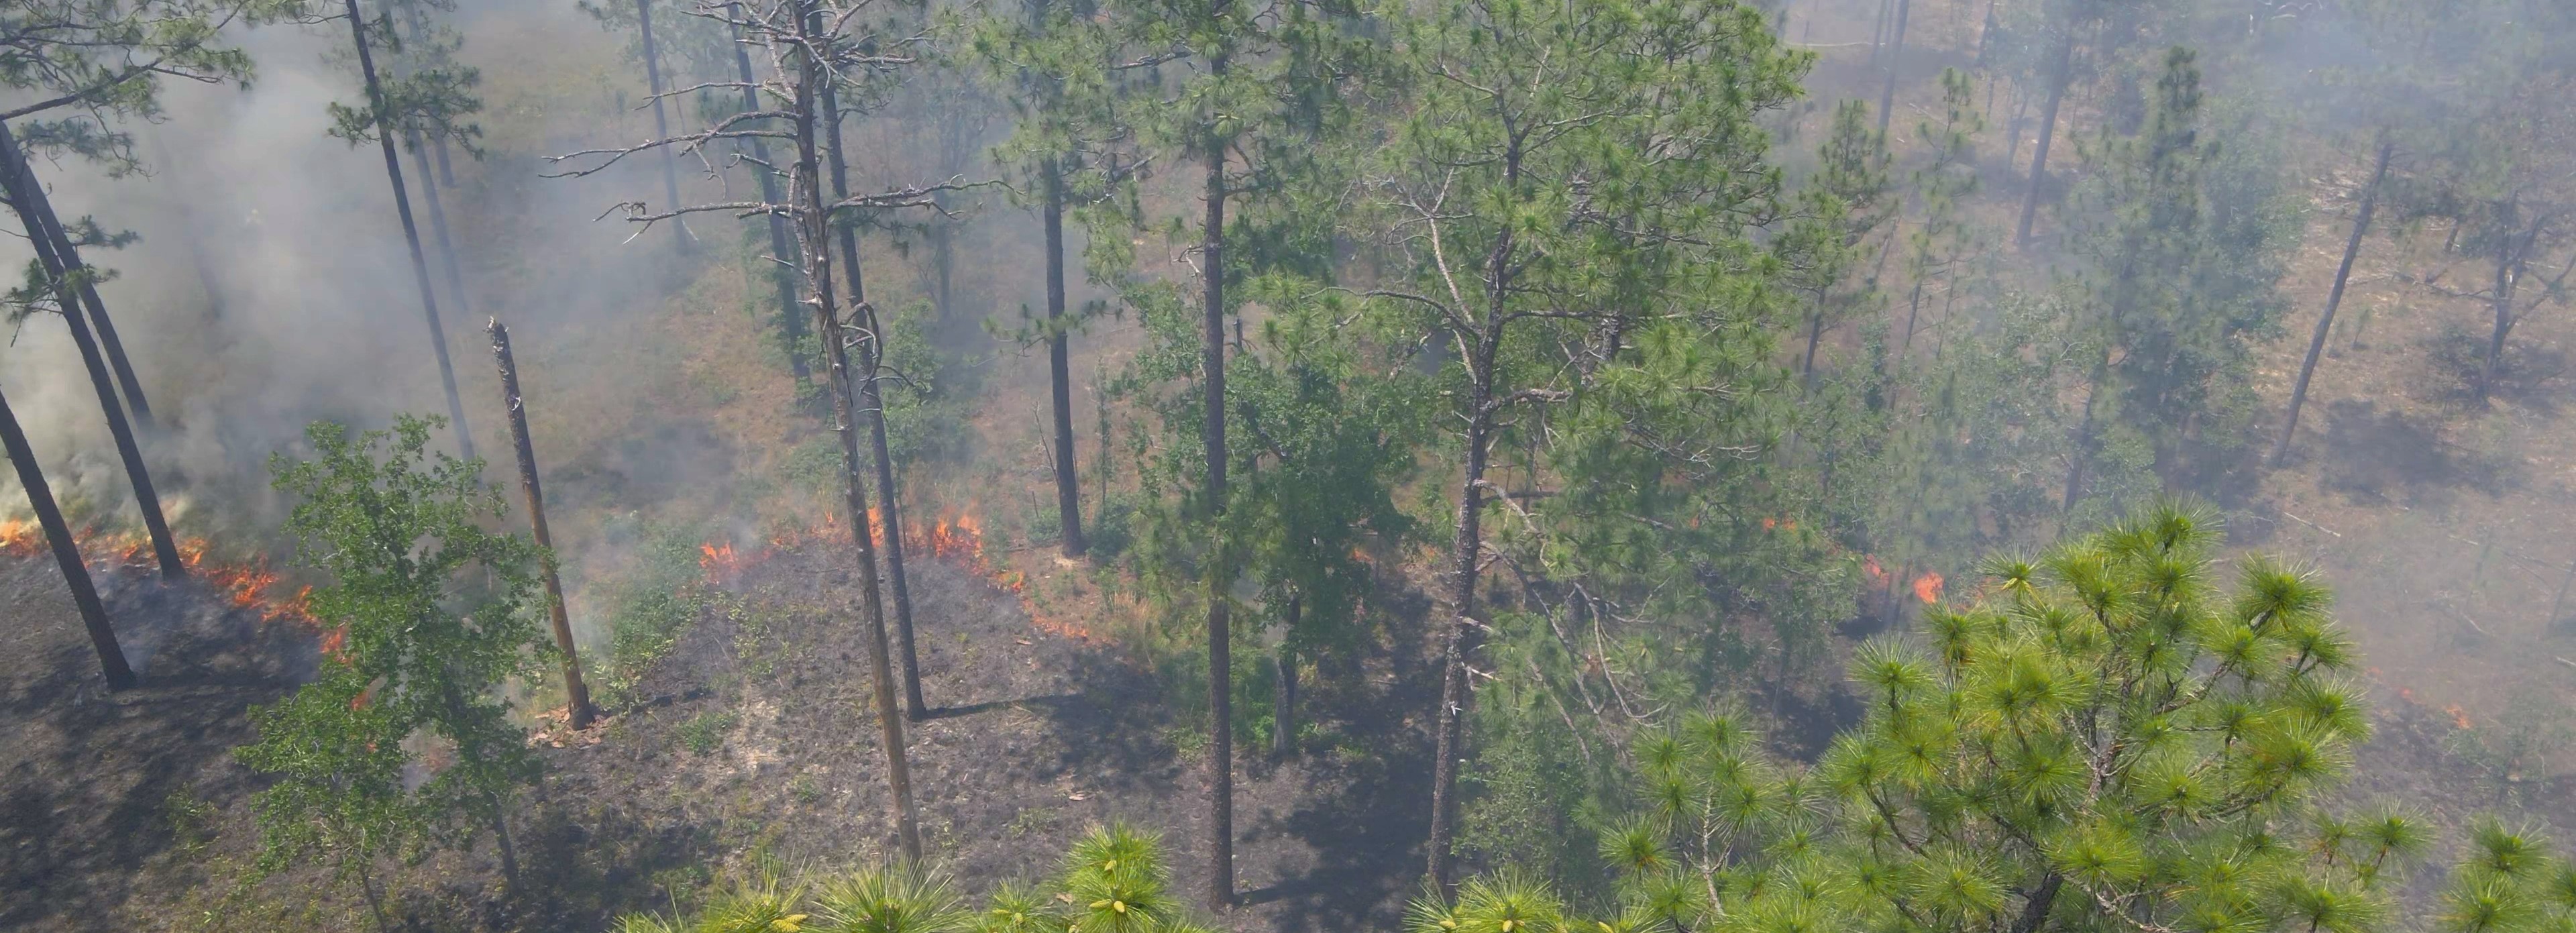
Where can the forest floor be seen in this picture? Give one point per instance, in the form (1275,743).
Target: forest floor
(753,747)
(2444,526)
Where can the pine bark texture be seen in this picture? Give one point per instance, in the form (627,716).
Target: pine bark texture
(1220,623)
(1068,486)
(872,399)
(814,236)
(576,693)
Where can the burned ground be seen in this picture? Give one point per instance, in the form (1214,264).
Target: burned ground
(753,744)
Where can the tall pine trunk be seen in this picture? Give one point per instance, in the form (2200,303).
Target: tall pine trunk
(661,124)
(2082,456)
(1283,695)
(1068,490)
(2057,82)
(1220,622)
(111,658)
(429,181)
(411,231)
(813,237)
(2334,299)
(791,321)
(68,253)
(1895,64)
(25,196)
(872,398)
(2508,274)
(576,694)
(1465,634)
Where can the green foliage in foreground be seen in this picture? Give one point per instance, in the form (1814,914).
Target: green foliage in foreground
(1113,880)
(2105,738)
(427,615)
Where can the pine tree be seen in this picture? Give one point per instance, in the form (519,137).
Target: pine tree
(1563,204)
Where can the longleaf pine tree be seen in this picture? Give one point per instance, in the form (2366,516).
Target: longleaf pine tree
(1567,199)
(2123,733)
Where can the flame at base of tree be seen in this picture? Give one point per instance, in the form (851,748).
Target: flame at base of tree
(956,536)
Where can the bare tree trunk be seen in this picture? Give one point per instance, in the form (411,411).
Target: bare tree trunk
(813,237)
(411,231)
(2047,133)
(1068,489)
(2509,261)
(1895,64)
(661,124)
(421,155)
(2083,452)
(872,398)
(68,254)
(111,658)
(1220,624)
(1815,334)
(2334,299)
(791,319)
(1283,697)
(1465,634)
(19,182)
(577,694)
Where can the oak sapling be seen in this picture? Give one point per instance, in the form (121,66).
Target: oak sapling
(426,615)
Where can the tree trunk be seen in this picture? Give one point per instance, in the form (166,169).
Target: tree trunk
(19,182)
(68,254)
(421,155)
(1815,335)
(813,236)
(111,658)
(1895,64)
(1878,32)
(1068,489)
(2509,260)
(2334,299)
(509,853)
(577,695)
(2034,909)
(1220,624)
(1464,632)
(2083,452)
(1283,696)
(791,321)
(2047,133)
(661,124)
(411,231)
(872,398)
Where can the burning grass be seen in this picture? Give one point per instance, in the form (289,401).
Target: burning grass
(954,536)
(250,585)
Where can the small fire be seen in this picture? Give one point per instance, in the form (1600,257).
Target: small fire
(955,535)
(250,585)
(719,560)
(2458,716)
(1928,587)
(1869,564)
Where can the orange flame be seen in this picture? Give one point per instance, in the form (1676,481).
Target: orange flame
(2458,715)
(1928,587)
(1869,564)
